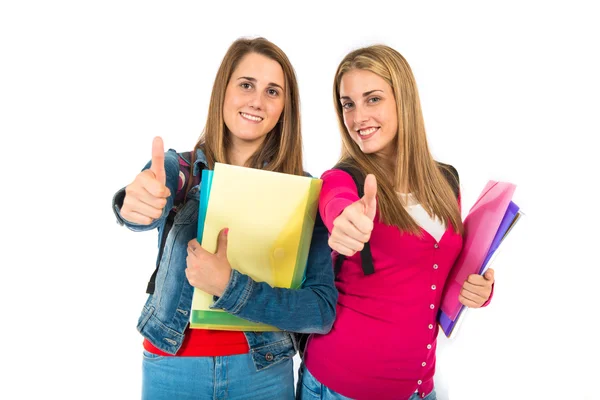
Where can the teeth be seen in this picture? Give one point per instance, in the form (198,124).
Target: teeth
(251,117)
(367,132)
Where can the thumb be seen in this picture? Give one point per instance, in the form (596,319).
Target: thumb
(158,160)
(222,242)
(489,275)
(369,200)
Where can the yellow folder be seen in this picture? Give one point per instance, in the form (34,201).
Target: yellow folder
(270,216)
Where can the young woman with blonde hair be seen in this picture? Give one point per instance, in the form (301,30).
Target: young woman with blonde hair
(394,242)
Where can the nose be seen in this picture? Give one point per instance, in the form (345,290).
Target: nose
(256,101)
(359,117)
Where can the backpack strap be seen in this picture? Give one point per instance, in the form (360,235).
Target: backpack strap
(365,254)
(163,240)
(451,175)
(186,157)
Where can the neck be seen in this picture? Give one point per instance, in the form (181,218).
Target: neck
(240,151)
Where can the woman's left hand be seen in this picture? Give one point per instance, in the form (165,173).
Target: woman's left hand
(477,289)
(206,271)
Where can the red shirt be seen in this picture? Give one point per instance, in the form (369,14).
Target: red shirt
(207,343)
(382,344)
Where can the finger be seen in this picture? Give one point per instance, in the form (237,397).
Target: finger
(135,194)
(189,273)
(193,245)
(340,248)
(158,160)
(149,182)
(134,203)
(190,251)
(369,200)
(467,302)
(222,243)
(478,280)
(354,213)
(145,210)
(472,296)
(363,223)
(489,275)
(344,227)
(136,218)
(348,242)
(479,290)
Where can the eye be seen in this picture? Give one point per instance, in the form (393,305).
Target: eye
(374,100)
(246,85)
(272,92)
(348,105)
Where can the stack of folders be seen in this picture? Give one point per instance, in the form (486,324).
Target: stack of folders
(487,225)
(270,217)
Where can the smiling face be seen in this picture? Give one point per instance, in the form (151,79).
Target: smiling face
(254,99)
(369,110)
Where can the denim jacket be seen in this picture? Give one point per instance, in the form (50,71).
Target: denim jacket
(165,316)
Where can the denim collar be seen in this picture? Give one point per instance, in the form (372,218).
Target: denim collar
(200,159)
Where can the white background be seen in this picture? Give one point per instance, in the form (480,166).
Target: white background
(510,91)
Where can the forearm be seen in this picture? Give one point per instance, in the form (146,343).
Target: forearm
(306,310)
(310,309)
(338,192)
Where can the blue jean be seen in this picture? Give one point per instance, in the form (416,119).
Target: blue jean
(309,388)
(228,377)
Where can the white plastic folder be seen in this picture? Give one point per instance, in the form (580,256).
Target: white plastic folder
(270,216)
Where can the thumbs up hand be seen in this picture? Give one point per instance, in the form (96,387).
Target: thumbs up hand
(352,229)
(146,196)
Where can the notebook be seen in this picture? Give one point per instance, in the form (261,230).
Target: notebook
(488,223)
(270,216)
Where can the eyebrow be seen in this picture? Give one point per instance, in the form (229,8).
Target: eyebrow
(253,80)
(365,94)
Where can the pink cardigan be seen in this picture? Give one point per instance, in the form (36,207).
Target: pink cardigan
(382,344)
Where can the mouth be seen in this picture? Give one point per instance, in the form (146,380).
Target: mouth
(250,117)
(367,133)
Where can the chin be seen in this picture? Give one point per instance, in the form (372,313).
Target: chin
(369,150)
(249,136)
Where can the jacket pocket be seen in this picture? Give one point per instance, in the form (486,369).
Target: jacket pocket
(272,354)
(144,317)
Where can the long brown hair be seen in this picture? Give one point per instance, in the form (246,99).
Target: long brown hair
(415,168)
(281,151)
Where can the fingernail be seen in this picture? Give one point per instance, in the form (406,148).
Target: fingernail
(226,231)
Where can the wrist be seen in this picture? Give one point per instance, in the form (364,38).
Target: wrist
(222,282)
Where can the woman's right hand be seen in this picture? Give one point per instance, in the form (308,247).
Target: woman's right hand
(353,227)
(146,196)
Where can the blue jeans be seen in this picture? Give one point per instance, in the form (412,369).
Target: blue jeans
(228,377)
(309,388)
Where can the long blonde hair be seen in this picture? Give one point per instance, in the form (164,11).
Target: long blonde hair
(415,168)
(281,150)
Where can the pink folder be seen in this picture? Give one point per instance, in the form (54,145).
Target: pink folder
(481,225)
